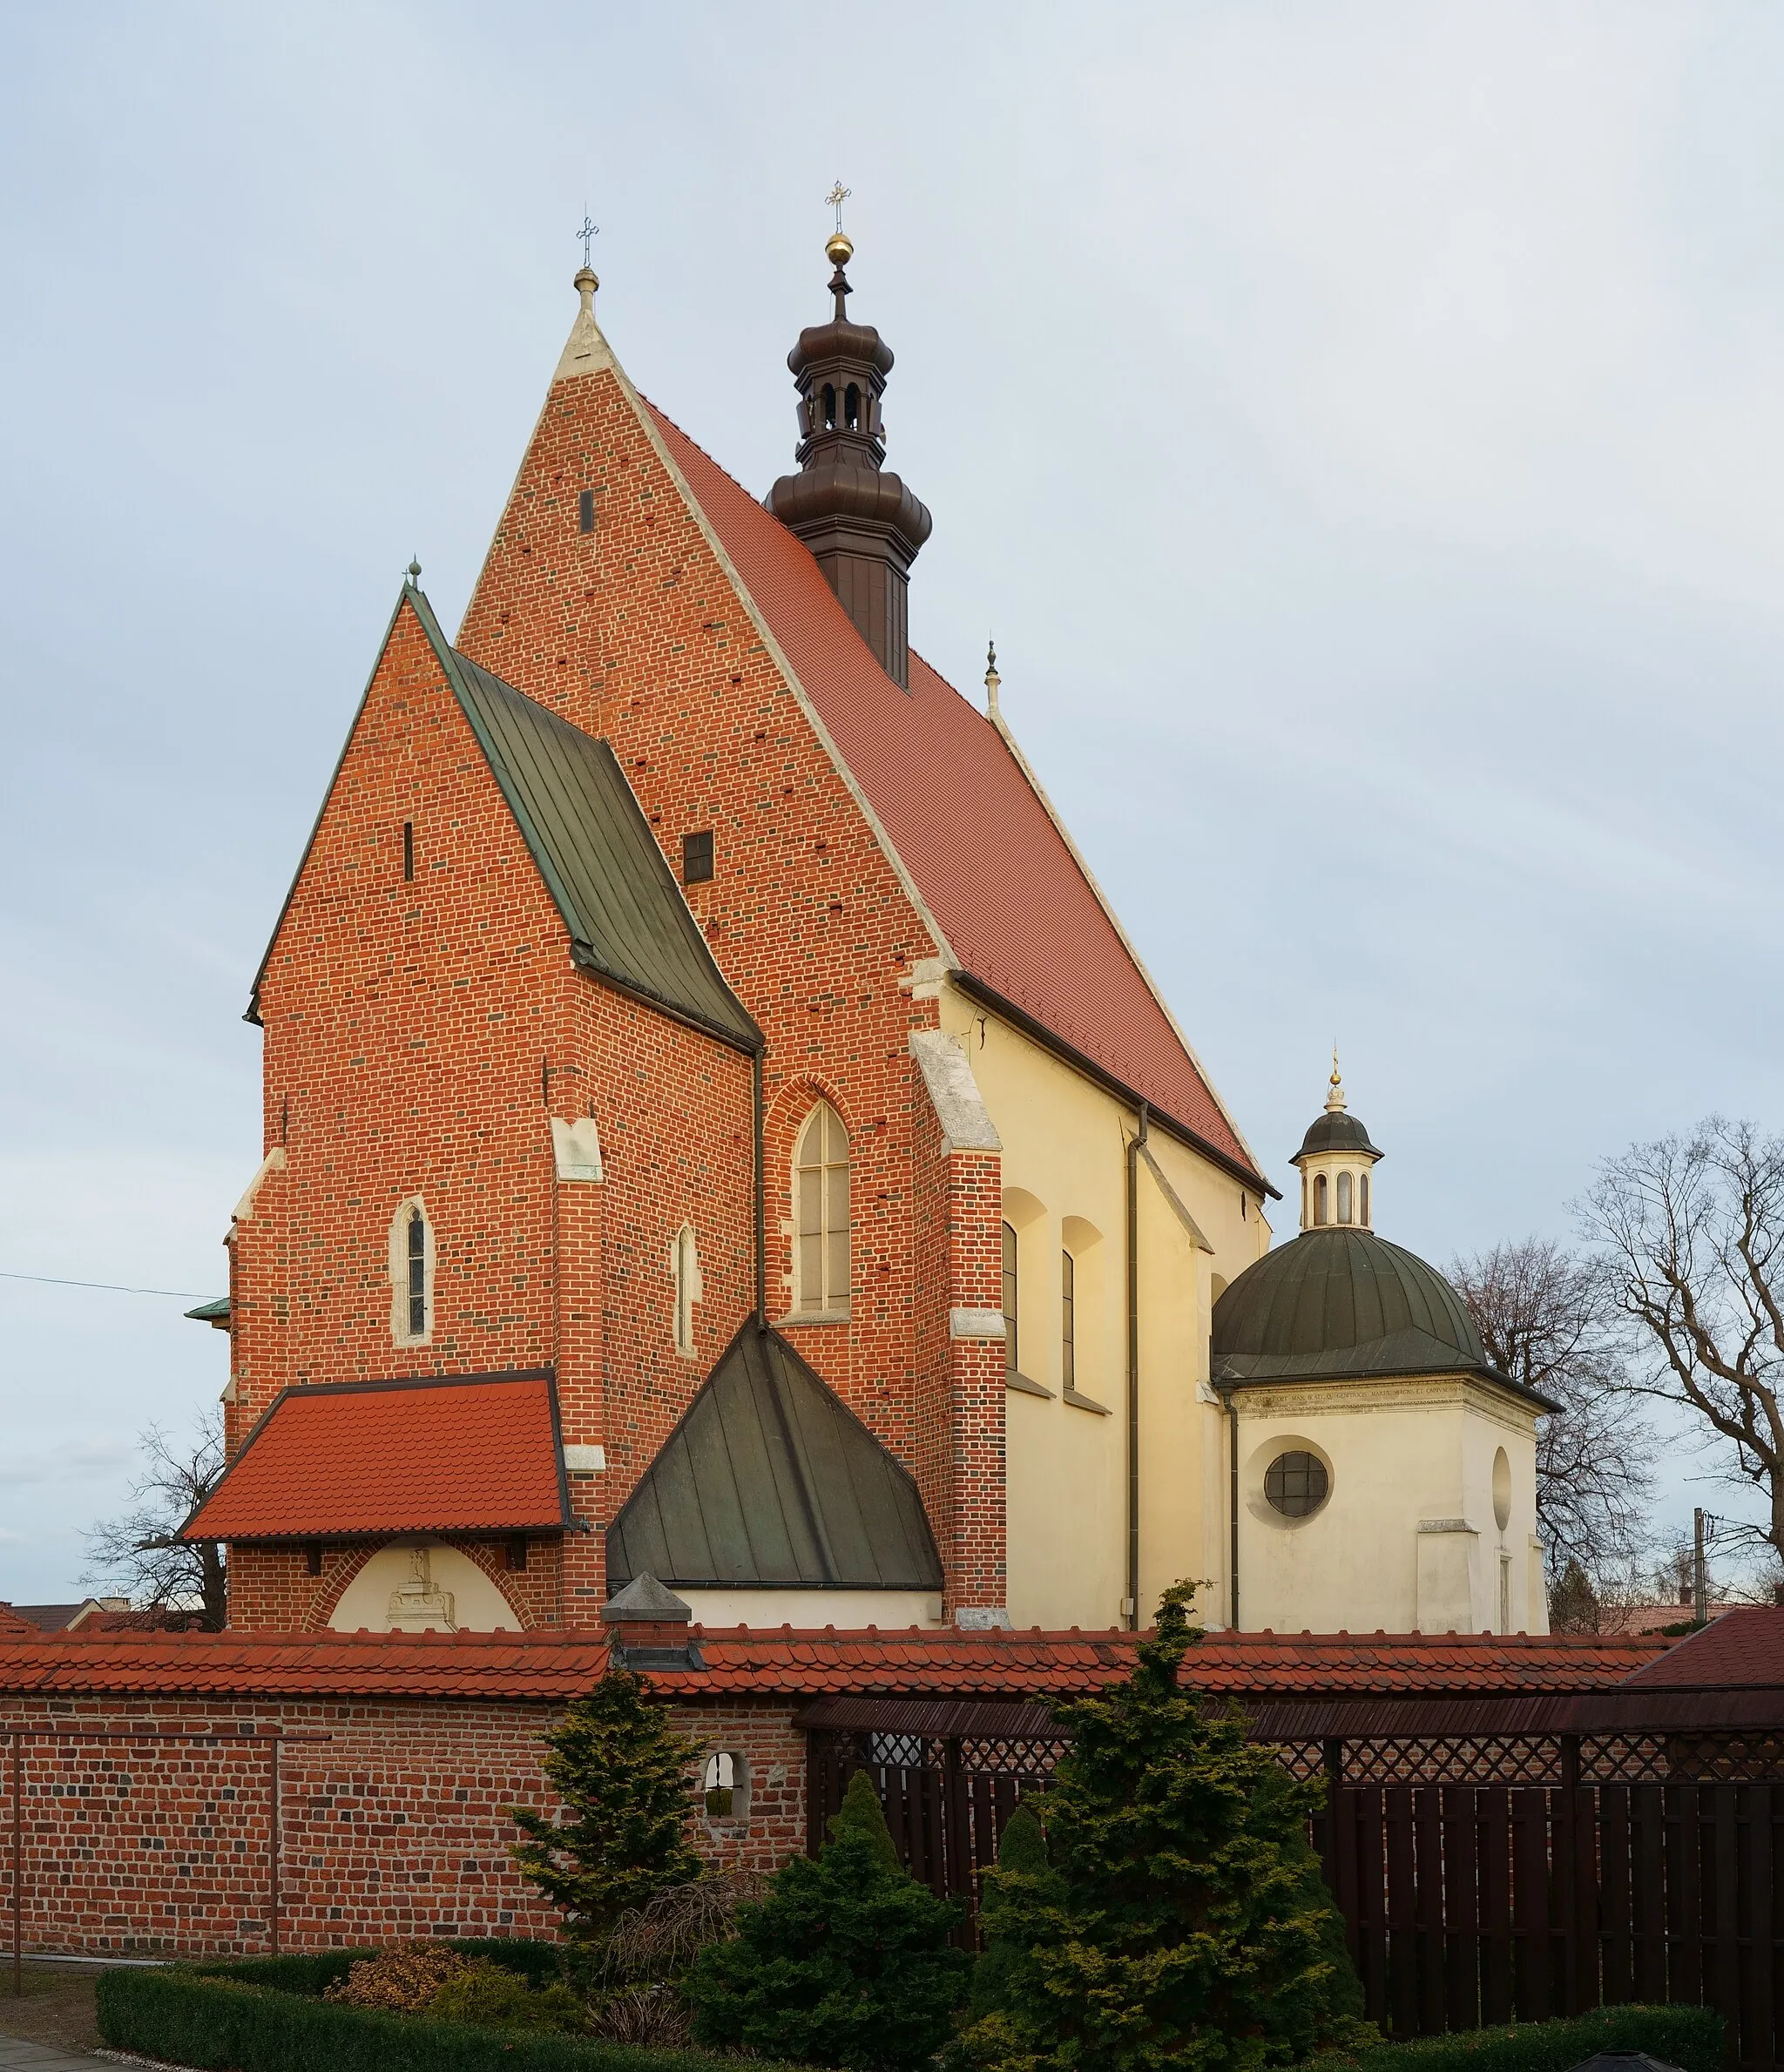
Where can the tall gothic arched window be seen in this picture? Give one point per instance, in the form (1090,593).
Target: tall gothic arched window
(1320,1215)
(686,1263)
(411,1274)
(1344,1198)
(820,1215)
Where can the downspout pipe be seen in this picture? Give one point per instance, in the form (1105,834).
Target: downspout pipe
(1134,1148)
(761,1197)
(1233,1507)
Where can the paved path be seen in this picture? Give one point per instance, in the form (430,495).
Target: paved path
(16,2055)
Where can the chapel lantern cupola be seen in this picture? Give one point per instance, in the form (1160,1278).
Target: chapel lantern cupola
(863,526)
(1337,1164)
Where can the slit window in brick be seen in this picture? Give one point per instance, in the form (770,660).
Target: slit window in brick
(696,857)
(408,850)
(586,510)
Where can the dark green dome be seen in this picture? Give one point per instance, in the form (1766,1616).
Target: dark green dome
(1334,1130)
(1341,1302)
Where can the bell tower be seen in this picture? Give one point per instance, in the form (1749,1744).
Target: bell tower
(863,526)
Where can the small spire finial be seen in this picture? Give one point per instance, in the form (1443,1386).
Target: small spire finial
(837,247)
(587,280)
(992,679)
(414,574)
(1335,1099)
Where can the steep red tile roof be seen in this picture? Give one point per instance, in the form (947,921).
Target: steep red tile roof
(555,1667)
(11,1622)
(466,1455)
(988,860)
(1740,1650)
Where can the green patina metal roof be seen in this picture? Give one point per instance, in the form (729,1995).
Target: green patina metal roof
(770,1480)
(1336,1131)
(627,921)
(214,1312)
(1342,1303)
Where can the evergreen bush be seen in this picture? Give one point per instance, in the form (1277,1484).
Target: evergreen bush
(622,1773)
(1690,2036)
(1184,1922)
(846,1962)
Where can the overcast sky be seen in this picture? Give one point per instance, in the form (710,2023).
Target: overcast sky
(1361,426)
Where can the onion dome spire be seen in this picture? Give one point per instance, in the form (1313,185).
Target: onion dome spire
(863,526)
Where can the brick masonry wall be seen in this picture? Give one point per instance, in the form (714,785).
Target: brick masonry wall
(395,1827)
(415,1032)
(634,632)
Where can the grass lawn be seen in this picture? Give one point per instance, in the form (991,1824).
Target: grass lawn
(57,2005)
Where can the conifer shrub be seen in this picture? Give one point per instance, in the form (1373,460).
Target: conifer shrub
(1181,1920)
(1021,1854)
(486,1996)
(621,1773)
(846,1961)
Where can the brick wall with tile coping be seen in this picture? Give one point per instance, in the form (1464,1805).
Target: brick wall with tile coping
(395,1827)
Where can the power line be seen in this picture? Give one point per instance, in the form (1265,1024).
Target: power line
(112,1287)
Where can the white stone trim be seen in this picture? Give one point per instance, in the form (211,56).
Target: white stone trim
(585,1460)
(981,1618)
(1448,1525)
(577,1149)
(954,1093)
(976,1324)
(273,1162)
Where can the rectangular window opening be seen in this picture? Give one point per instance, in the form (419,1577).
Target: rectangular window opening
(312,1558)
(1068,1350)
(517,1553)
(586,510)
(696,857)
(408,850)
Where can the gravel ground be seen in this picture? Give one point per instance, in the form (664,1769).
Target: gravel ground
(57,2005)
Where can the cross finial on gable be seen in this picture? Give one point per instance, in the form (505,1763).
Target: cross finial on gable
(590,231)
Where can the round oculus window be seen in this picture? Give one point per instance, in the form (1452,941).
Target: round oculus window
(1296,1484)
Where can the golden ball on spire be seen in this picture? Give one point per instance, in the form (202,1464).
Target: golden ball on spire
(838,250)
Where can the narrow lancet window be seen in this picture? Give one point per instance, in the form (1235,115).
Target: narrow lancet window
(1320,1215)
(1067,1321)
(1344,1209)
(1010,1361)
(820,1212)
(411,1274)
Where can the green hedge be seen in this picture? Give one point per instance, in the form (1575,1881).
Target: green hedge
(221,2024)
(1681,2036)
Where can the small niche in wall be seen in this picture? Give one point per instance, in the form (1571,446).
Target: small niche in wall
(725,1786)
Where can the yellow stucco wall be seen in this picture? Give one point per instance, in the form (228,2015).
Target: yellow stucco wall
(1065,1178)
(1409,1537)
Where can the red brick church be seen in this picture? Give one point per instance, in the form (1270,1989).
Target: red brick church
(732,1194)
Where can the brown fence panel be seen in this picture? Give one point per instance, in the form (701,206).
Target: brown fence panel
(1480,1880)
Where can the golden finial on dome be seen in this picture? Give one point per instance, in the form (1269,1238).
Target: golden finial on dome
(1335,1099)
(837,247)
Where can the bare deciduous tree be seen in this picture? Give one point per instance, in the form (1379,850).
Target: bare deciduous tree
(1693,1231)
(1549,1318)
(138,1554)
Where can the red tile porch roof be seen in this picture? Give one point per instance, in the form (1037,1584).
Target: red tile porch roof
(553,1667)
(477,1454)
(988,860)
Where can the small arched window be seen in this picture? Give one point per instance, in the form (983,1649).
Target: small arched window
(1344,1193)
(724,1785)
(820,1214)
(829,408)
(851,408)
(1320,1215)
(685,1262)
(1010,1359)
(1362,1188)
(411,1274)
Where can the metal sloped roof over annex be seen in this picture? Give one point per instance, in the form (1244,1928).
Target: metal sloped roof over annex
(770,1480)
(585,831)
